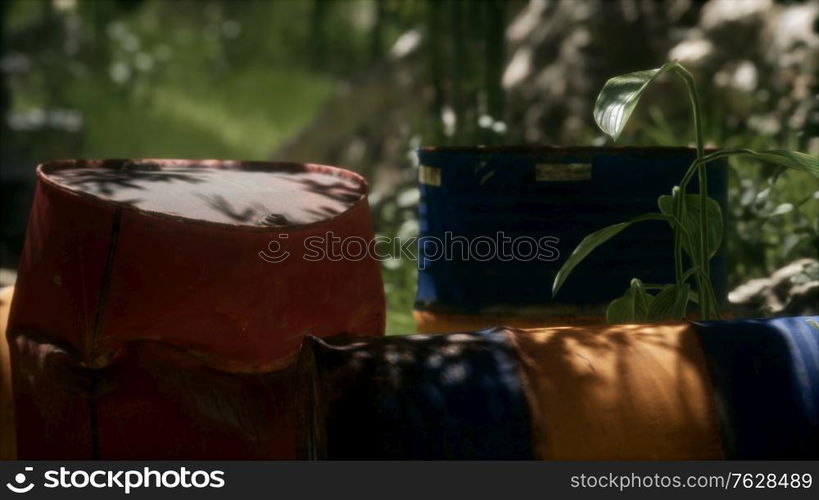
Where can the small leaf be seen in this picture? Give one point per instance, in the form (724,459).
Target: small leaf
(585,247)
(594,240)
(621,310)
(642,300)
(691,222)
(619,96)
(632,307)
(670,304)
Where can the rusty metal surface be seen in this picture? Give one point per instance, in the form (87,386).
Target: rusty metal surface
(154,401)
(100,276)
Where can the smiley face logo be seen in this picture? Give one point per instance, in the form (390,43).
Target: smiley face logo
(20,478)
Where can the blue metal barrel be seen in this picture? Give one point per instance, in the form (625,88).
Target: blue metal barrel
(555,197)
(418,398)
(765,374)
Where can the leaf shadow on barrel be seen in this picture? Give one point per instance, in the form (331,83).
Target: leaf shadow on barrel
(337,190)
(256,211)
(252,211)
(116,175)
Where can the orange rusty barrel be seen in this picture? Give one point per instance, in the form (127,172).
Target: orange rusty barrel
(153,296)
(7,438)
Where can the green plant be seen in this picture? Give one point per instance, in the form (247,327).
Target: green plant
(695,219)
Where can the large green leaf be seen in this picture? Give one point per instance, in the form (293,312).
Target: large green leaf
(619,96)
(632,307)
(670,304)
(594,240)
(691,221)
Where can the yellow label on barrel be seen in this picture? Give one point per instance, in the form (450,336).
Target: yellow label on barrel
(431,176)
(562,172)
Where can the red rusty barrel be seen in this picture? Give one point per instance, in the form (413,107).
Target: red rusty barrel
(142,279)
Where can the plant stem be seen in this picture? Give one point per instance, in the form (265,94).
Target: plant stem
(691,86)
(716,155)
(679,201)
(712,298)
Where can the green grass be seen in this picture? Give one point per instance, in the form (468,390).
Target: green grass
(244,115)
(399,286)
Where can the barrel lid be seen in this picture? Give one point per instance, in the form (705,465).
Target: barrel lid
(256,194)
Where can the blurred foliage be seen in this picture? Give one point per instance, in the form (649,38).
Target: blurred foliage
(164,78)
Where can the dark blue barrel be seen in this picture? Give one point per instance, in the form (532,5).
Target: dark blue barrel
(554,196)
(765,374)
(455,396)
